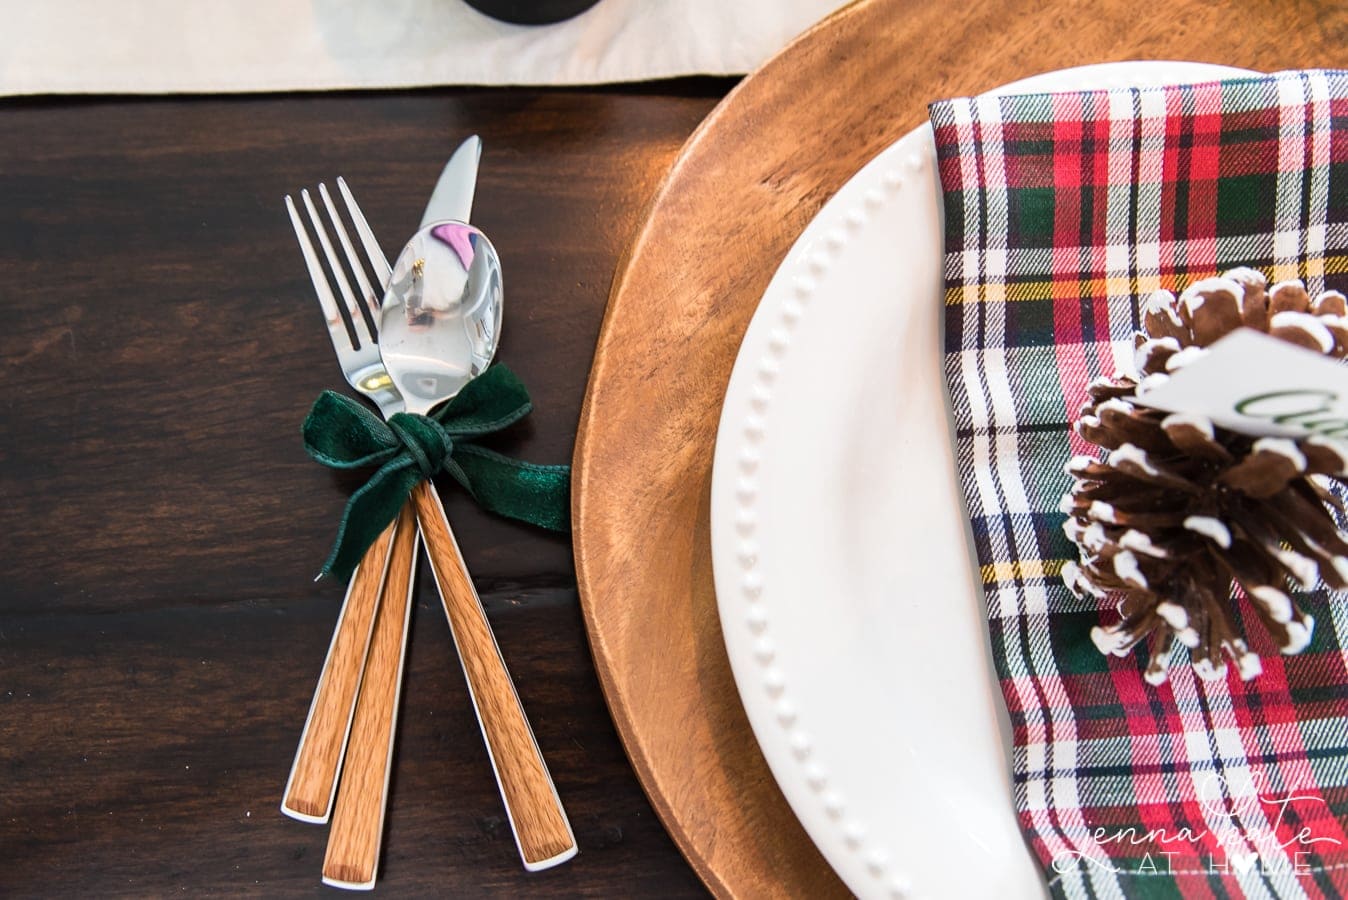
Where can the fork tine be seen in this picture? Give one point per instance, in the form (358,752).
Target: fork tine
(326,300)
(378,261)
(343,285)
(367,294)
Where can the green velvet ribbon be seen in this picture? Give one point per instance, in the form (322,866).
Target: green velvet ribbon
(408,449)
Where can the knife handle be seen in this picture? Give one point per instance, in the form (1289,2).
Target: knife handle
(541,829)
(352,858)
(318,758)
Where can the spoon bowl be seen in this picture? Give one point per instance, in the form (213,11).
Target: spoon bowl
(440,320)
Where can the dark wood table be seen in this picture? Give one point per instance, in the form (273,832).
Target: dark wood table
(160,629)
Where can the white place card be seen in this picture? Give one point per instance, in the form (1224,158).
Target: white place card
(1259,385)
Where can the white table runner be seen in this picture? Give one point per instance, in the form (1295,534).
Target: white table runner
(190,46)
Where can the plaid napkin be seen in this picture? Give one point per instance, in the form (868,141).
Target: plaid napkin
(1062,210)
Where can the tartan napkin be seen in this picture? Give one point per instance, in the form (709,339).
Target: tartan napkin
(1062,212)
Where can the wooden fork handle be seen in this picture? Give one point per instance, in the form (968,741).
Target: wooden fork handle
(352,859)
(541,829)
(318,758)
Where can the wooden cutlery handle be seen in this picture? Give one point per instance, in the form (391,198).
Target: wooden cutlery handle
(542,831)
(313,776)
(352,858)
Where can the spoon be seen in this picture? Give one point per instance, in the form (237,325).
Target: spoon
(439,325)
(441,317)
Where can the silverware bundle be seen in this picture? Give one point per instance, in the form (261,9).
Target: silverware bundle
(435,328)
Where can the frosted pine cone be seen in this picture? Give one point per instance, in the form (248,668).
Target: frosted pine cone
(1180,511)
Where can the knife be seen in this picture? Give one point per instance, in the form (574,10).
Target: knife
(453,194)
(354,843)
(311,787)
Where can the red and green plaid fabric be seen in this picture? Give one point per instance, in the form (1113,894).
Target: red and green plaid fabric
(1063,211)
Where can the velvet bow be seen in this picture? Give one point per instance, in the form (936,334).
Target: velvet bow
(409,448)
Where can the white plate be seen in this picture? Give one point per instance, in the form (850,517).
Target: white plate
(847,595)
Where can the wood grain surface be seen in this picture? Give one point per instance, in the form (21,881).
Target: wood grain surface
(739,193)
(352,855)
(160,628)
(313,775)
(532,807)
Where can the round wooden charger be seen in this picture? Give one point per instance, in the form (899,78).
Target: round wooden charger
(740,192)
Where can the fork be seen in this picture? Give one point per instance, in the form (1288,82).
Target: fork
(352,719)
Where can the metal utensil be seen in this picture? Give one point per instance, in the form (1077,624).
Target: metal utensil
(439,325)
(452,198)
(313,779)
(369,687)
(312,783)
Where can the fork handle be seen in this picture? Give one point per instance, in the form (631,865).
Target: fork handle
(352,858)
(313,776)
(541,829)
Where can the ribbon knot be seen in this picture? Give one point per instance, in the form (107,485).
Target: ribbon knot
(410,448)
(424,438)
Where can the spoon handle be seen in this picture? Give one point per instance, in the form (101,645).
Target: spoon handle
(542,831)
(352,858)
(313,776)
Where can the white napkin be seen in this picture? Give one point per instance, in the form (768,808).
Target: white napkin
(192,46)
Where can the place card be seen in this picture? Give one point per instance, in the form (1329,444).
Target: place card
(1254,384)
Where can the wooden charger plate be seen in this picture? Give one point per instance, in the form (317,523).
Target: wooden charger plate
(740,192)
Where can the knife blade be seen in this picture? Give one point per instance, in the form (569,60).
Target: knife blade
(453,194)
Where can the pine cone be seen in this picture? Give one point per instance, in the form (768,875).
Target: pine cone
(1180,510)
